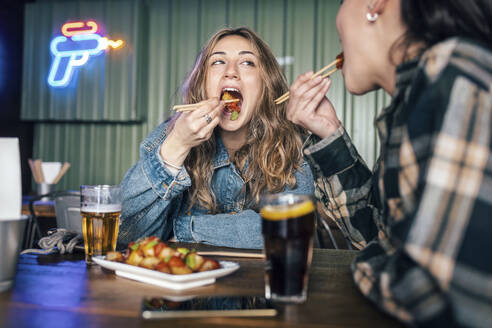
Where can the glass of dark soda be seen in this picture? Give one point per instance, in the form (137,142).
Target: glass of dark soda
(288,230)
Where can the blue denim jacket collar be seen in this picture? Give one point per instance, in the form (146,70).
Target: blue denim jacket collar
(221,155)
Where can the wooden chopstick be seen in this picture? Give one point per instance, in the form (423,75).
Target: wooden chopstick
(60,174)
(38,165)
(233,254)
(330,72)
(285,96)
(190,107)
(33,170)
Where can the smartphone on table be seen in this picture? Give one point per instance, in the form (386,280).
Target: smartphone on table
(203,307)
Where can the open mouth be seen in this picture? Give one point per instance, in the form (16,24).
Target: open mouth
(232,108)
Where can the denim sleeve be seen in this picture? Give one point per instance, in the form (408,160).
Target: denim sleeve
(304,181)
(151,197)
(239,230)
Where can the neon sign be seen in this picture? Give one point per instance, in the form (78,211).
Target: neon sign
(73,49)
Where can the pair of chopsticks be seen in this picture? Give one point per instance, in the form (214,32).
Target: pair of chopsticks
(232,254)
(190,107)
(337,63)
(37,171)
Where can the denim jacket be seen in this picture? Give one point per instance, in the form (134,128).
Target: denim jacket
(155,201)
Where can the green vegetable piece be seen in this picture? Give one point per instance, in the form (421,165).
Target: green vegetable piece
(135,246)
(190,261)
(234,115)
(167,258)
(151,244)
(183,250)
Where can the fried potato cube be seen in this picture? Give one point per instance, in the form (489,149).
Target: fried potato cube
(114,256)
(149,262)
(181,270)
(166,253)
(158,248)
(208,265)
(163,267)
(178,266)
(135,258)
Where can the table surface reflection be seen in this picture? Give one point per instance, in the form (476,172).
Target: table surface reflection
(61,291)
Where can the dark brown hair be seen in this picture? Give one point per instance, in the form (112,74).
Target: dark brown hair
(430,22)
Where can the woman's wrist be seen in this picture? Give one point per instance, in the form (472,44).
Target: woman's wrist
(171,165)
(328,130)
(173,156)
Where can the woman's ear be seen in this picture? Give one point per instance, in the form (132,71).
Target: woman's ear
(376,7)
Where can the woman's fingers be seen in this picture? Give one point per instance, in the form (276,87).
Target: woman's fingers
(317,97)
(201,117)
(309,107)
(305,83)
(301,80)
(312,93)
(205,107)
(304,96)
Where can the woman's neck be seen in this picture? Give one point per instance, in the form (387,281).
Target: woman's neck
(399,56)
(233,140)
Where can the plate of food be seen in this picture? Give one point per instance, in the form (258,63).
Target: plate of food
(152,261)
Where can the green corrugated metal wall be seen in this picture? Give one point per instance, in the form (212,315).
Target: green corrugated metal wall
(108,88)
(176,30)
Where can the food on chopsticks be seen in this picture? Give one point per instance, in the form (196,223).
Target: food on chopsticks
(234,107)
(338,63)
(152,253)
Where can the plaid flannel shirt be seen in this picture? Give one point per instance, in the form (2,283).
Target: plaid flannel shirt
(423,216)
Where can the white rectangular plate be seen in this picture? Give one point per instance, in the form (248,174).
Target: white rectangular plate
(171,281)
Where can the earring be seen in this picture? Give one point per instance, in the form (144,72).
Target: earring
(372,17)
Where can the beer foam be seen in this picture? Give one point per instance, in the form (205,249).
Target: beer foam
(283,212)
(101,208)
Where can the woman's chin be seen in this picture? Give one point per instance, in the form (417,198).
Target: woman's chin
(227,124)
(358,82)
(355,87)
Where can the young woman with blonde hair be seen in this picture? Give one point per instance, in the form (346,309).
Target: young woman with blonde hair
(201,174)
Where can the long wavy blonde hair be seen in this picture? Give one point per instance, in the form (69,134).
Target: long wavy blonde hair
(273,149)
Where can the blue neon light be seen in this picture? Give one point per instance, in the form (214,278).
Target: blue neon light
(72,52)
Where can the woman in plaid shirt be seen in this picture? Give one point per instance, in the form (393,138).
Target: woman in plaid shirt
(423,216)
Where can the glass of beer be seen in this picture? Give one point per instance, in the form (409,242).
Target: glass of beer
(100,207)
(288,230)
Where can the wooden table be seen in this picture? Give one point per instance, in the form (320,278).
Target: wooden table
(42,209)
(61,291)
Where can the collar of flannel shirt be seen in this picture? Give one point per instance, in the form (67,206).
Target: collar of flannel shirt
(388,203)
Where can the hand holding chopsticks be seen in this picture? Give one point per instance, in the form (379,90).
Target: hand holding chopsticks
(337,63)
(190,107)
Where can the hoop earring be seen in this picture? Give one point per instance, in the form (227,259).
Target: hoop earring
(372,17)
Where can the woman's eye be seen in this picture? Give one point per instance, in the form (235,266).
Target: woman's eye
(217,62)
(248,63)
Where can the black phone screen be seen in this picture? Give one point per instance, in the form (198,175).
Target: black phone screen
(213,306)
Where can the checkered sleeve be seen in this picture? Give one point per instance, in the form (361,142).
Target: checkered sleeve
(343,186)
(437,272)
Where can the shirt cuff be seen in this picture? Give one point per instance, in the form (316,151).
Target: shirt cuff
(183,227)
(333,154)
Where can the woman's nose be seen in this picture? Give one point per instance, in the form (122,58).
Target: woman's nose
(231,72)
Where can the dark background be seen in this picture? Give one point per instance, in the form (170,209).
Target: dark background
(11,35)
